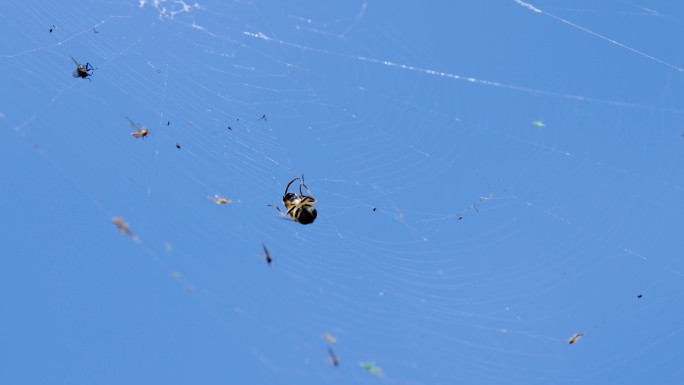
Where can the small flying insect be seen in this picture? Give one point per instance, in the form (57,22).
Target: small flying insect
(95,30)
(264,118)
(267,255)
(52,28)
(82,71)
(575,337)
(178,146)
(140,131)
(299,207)
(333,357)
(123,227)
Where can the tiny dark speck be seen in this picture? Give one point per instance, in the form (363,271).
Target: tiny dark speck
(168,123)
(177,145)
(375,209)
(639,296)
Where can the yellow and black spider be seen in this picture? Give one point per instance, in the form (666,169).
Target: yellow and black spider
(299,207)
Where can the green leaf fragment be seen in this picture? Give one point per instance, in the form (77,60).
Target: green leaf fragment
(371,368)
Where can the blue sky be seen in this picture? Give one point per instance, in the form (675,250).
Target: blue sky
(491,178)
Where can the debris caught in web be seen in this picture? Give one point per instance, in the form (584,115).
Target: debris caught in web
(330,338)
(575,337)
(123,227)
(372,368)
(219,200)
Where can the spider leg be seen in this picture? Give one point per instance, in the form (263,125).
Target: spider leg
(301,182)
(285,215)
(309,198)
(305,186)
(277,208)
(288,185)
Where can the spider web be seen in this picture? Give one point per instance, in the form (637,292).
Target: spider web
(489,182)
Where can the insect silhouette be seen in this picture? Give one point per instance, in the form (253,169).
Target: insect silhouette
(267,255)
(333,357)
(82,71)
(299,207)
